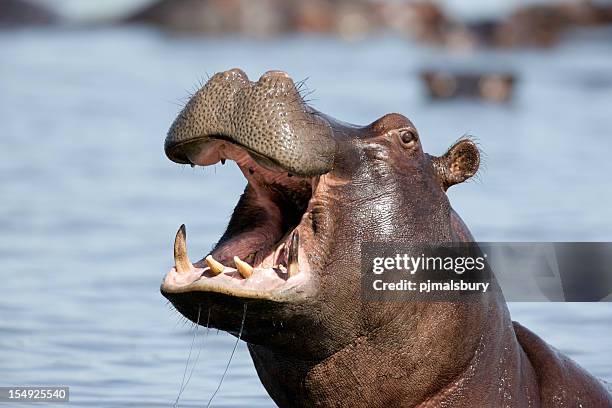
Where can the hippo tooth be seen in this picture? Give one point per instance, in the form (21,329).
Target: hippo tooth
(292,260)
(215,266)
(244,268)
(181,260)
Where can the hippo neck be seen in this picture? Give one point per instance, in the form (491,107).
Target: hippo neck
(475,359)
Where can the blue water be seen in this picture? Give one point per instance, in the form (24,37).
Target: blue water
(89,204)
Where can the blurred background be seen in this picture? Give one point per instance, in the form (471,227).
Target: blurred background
(90,205)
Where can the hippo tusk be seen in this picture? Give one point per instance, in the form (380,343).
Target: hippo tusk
(292,260)
(181,260)
(215,266)
(244,268)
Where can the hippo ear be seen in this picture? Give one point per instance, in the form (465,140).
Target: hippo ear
(458,164)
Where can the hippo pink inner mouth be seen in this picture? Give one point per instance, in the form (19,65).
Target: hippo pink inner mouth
(262,250)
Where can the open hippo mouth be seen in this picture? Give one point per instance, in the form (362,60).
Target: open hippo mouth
(259,254)
(282,147)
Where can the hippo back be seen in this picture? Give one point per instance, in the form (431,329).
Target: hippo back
(562,382)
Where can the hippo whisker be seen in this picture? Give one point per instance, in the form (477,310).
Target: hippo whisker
(203,343)
(304,95)
(230,358)
(180,318)
(299,85)
(183,383)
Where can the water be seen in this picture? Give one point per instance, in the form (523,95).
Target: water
(89,204)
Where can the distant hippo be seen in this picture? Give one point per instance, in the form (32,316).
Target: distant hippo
(544,25)
(423,19)
(285,275)
(15,13)
(259,17)
(451,84)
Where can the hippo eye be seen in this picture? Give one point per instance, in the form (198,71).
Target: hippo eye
(408,136)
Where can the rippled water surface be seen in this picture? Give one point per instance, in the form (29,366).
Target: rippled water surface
(89,204)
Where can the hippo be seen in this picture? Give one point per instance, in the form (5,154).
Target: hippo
(350,19)
(285,275)
(259,18)
(544,25)
(18,13)
(442,84)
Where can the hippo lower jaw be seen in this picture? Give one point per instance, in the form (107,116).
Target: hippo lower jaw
(264,254)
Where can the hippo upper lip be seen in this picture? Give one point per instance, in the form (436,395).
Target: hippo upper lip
(268,118)
(176,151)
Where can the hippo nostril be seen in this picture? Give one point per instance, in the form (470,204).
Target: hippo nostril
(235,73)
(274,75)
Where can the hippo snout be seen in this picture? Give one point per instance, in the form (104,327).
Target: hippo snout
(268,118)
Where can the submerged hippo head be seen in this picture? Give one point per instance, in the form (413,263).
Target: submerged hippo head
(317,188)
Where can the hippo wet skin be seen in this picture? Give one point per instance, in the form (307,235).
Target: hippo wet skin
(285,275)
